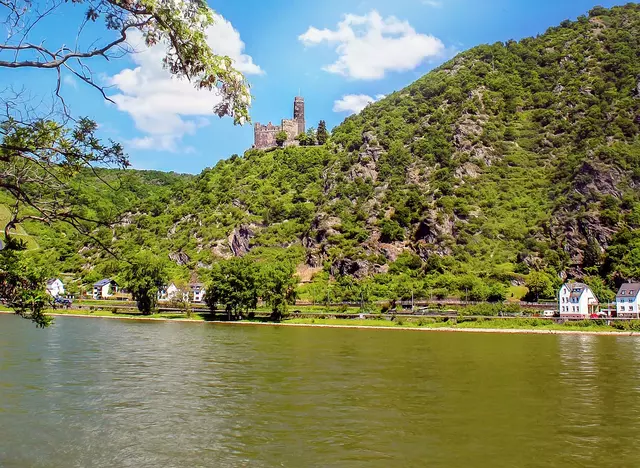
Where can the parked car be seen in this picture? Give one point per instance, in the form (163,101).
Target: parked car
(549,313)
(62,301)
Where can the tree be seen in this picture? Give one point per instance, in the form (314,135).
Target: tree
(143,276)
(42,146)
(181,299)
(233,284)
(539,285)
(604,294)
(22,284)
(42,149)
(497,293)
(322,134)
(281,138)
(390,231)
(278,288)
(311,136)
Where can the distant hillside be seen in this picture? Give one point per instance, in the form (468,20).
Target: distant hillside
(510,158)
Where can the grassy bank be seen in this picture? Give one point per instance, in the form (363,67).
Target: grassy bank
(494,324)
(462,324)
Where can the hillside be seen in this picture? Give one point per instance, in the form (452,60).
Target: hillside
(511,158)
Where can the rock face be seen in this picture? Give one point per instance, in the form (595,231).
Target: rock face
(591,182)
(179,258)
(348,267)
(366,165)
(240,240)
(322,228)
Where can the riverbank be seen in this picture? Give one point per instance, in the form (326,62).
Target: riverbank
(509,326)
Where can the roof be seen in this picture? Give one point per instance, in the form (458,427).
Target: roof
(52,280)
(576,289)
(103,282)
(629,290)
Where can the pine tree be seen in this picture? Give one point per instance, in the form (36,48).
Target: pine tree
(322,135)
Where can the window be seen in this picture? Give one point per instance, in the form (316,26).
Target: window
(621,307)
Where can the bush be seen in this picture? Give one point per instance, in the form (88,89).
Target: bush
(631,325)
(390,231)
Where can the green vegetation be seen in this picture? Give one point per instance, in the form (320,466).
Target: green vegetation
(233,285)
(18,231)
(22,284)
(144,276)
(46,152)
(488,179)
(281,138)
(322,133)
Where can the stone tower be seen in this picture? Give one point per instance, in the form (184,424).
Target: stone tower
(298,113)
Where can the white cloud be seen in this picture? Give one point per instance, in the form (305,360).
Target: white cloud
(165,108)
(433,3)
(354,103)
(70,81)
(368,46)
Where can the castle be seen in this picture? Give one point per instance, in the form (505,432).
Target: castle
(264,136)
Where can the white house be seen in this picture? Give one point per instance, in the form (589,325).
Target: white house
(55,287)
(576,301)
(197,292)
(104,288)
(171,292)
(628,300)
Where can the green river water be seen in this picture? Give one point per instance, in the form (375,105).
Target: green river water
(110,393)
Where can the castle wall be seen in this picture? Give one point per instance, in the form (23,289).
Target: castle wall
(291,129)
(264,136)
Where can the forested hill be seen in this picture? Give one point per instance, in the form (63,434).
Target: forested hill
(511,158)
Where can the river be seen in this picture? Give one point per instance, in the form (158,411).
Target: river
(111,393)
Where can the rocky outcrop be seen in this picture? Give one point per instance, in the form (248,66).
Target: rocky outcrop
(180,258)
(347,267)
(315,239)
(366,165)
(571,227)
(240,240)
(431,236)
(322,227)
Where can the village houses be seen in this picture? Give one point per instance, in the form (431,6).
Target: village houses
(55,287)
(577,301)
(195,292)
(627,301)
(104,288)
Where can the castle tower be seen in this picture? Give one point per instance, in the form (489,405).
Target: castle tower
(298,113)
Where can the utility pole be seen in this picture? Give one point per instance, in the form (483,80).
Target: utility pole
(412,300)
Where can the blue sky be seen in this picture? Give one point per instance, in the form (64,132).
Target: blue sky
(380,47)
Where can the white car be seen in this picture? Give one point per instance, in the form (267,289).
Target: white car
(549,313)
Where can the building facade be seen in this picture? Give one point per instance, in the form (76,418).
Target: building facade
(627,301)
(55,287)
(577,301)
(264,136)
(197,292)
(104,288)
